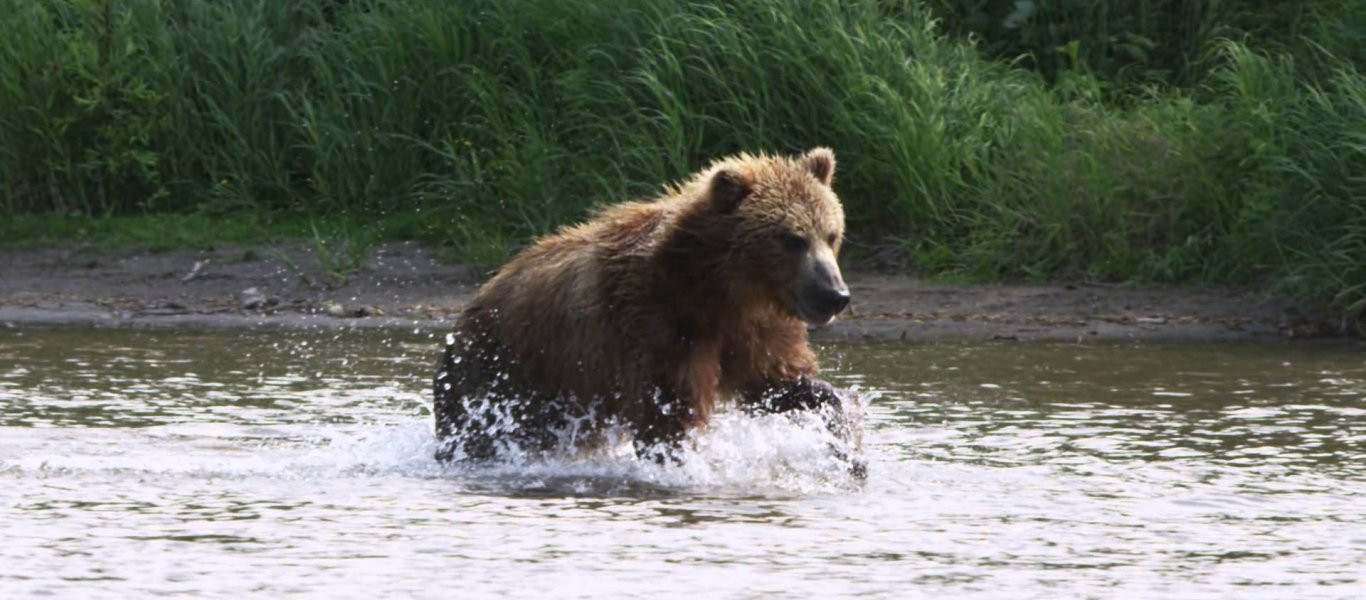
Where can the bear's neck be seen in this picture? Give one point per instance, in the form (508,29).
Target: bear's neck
(699,284)
(695,277)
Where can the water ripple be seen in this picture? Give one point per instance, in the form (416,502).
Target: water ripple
(223,464)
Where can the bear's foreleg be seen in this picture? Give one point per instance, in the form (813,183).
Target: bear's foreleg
(802,393)
(809,393)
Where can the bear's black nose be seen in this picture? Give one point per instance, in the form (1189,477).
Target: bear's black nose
(831,301)
(841,300)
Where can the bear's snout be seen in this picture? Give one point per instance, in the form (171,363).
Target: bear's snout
(823,293)
(833,301)
(822,303)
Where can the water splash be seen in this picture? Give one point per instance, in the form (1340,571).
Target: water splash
(738,455)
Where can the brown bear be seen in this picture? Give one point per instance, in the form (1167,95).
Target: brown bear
(650,314)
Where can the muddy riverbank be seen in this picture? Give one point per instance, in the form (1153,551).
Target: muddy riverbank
(404,286)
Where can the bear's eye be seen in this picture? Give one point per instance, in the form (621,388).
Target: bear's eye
(831,239)
(794,243)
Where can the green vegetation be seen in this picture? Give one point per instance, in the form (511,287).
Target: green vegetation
(1136,42)
(155,232)
(1152,140)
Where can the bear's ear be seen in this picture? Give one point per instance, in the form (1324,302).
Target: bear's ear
(821,163)
(726,191)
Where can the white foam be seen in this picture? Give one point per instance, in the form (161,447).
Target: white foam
(737,454)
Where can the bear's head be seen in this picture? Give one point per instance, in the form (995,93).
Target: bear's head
(785,226)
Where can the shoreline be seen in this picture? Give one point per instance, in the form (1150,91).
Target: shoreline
(404,287)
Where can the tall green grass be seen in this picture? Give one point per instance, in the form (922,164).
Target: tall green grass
(1130,43)
(481,124)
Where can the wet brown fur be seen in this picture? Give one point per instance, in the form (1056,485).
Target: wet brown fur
(648,315)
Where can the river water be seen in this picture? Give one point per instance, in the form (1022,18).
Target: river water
(223,464)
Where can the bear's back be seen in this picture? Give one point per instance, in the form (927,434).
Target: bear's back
(572,307)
